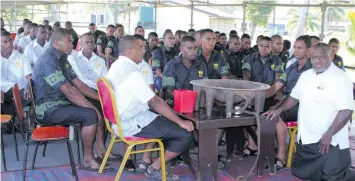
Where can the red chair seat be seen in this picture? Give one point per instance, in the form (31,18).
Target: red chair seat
(5,118)
(132,138)
(50,133)
(291,124)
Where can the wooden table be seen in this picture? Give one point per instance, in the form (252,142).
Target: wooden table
(207,134)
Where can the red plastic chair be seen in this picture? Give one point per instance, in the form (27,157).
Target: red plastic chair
(292,128)
(108,103)
(42,134)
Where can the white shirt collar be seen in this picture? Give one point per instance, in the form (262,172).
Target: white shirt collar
(126,59)
(13,53)
(326,72)
(80,54)
(35,43)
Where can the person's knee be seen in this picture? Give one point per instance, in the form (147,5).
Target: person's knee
(187,139)
(90,117)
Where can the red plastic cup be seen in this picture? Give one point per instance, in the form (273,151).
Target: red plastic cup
(184,101)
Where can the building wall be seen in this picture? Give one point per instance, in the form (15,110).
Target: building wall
(175,18)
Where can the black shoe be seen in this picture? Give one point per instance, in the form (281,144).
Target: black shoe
(130,166)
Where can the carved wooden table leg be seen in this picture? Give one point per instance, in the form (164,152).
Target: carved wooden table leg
(207,156)
(267,145)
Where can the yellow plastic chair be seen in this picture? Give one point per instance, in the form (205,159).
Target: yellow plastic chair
(292,128)
(108,104)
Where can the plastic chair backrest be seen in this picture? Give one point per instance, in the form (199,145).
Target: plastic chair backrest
(32,94)
(108,104)
(18,101)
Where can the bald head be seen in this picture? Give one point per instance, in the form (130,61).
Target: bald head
(130,47)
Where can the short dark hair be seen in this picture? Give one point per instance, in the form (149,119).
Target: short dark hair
(87,34)
(217,32)
(306,39)
(25,20)
(49,27)
(135,29)
(34,24)
(119,26)
(92,24)
(287,44)
(41,26)
(139,37)
(233,32)
(59,34)
(187,39)
(68,23)
(259,37)
(204,31)
(178,32)
(234,36)
(245,36)
(334,40)
(26,23)
(265,38)
(111,26)
(152,34)
(191,30)
(45,21)
(315,37)
(222,34)
(126,42)
(167,32)
(5,33)
(276,36)
(56,25)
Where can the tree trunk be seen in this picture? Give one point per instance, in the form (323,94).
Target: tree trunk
(302,20)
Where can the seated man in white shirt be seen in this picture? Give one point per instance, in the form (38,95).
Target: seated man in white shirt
(324,94)
(87,65)
(133,96)
(14,69)
(36,48)
(25,41)
(26,31)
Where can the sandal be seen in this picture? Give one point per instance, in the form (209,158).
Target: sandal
(111,157)
(143,166)
(129,166)
(249,152)
(280,164)
(89,166)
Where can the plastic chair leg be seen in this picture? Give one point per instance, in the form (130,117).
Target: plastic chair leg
(44,149)
(3,153)
(108,151)
(162,161)
(15,139)
(77,143)
(35,155)
(25,162)
(72,162)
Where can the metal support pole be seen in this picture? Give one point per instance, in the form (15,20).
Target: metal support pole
(192,15)
(244,28)
(155,16)
(129,18)
(33,7)
(59,18)
(323,9)
(48,16)
(66,18)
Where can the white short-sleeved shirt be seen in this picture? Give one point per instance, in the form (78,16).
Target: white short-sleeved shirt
(132,95)
(24,42)
(18,38)
(88,71)
(14,70)
(34,50)
(147,72)
(321,97)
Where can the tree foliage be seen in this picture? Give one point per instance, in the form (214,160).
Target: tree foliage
(351,42)
(258,15)
(312,21)
(11,16)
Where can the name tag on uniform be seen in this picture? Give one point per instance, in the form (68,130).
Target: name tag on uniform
(200,74)
(272,66)
(18,64)
(215,65)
